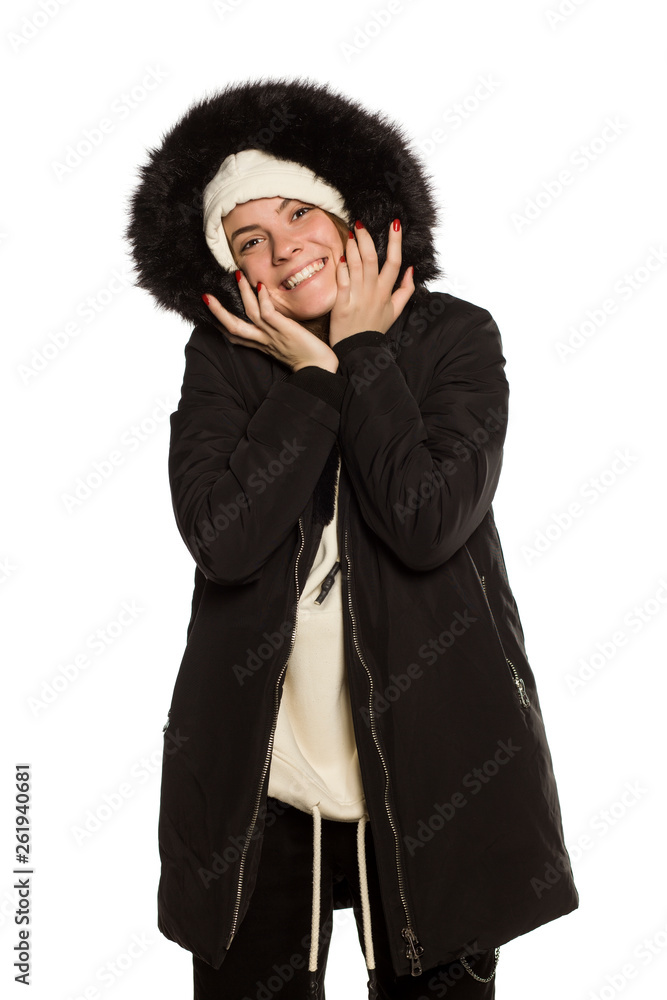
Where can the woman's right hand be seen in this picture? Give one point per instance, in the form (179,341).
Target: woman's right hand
(276,335)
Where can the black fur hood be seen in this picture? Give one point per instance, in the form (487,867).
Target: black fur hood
(364,155)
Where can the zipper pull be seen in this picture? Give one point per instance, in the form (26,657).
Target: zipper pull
(413,950)
(327,583)
(166,725)
(523,697)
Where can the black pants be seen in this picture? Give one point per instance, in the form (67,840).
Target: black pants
(268,957)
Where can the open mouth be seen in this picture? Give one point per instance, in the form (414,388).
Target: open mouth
(304,275)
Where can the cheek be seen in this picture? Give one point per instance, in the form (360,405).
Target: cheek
(255,271)
(328,236)
(336,241)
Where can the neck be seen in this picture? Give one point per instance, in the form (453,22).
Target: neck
(319,326)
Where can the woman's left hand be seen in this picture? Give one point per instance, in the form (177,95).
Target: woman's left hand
(364,300)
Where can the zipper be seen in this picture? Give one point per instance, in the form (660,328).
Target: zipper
(518,681)
(413,949)
(166,725)
(269,749)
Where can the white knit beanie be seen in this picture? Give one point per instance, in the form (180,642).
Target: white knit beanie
(250,174)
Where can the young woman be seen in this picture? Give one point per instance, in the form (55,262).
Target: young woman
(355,722)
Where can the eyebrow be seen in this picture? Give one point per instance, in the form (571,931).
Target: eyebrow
(247,229)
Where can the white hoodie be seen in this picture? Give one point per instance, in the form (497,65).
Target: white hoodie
(314,759)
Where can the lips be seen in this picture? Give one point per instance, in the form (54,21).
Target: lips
(297,270)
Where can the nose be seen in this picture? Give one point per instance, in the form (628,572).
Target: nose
(284,245)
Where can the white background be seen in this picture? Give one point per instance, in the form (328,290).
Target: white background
(551,86)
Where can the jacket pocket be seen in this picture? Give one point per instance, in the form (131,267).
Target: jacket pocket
(514,674)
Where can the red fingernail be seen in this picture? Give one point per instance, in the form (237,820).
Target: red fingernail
(259,285)
(206,299)
(358,224)
(350,234)
(342,260)
(397,225)
(238,275)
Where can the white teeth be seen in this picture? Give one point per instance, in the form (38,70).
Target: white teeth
(306,272)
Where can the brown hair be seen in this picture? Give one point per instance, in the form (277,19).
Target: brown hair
(340,225)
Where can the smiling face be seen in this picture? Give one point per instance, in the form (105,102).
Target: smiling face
(274,239)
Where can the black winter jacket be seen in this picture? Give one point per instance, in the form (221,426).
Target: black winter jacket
(456,767)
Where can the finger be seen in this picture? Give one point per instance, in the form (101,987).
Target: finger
(368,253)
(269,316)
(267,311)
(352,255)
(262,311)
(250,300)
(343,281)
(403,293)
(394,257)
(231,324)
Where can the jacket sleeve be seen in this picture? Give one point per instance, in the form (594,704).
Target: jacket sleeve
(425,474)
(239,480)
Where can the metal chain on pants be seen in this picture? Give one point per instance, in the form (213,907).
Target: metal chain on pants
(479,978)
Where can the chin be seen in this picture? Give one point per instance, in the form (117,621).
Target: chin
(312,307)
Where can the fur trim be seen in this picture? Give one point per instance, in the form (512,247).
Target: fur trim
(364,155)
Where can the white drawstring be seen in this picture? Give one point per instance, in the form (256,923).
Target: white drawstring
(317,875)
(365,903)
